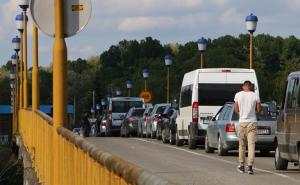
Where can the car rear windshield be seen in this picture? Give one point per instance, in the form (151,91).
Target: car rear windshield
(160,110)
(217,94)
(124,106)
(264,115)
(137,112)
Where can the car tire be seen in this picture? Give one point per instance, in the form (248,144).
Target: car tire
(221,150)
(299,158)
(280,164)
(172,139)
(158,136)
(191,143)
(125,132)
(163,136)
(152,133)
(179,142)
(208,149)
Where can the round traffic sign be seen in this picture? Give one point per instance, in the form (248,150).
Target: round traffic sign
(77,14)
(147,96)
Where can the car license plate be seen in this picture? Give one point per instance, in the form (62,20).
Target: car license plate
(263,132)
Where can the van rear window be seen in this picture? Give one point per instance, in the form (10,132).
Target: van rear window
(217,94)
(124,106)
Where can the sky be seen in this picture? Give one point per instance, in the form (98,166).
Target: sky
(170,21)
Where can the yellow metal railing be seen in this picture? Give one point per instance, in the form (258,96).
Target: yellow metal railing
(80,163)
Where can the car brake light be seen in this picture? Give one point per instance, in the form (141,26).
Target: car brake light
(110,115)
(195,112)
(230,127)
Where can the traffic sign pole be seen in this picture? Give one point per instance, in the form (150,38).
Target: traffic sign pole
(59,83)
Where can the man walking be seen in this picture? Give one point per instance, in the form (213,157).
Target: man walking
(247,103)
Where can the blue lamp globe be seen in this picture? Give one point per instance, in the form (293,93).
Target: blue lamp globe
(19,22)
(16,43)
(129,84)
(251,23)
(168,60)
(146,73)
(14,59)
(118,91)
(24,4)
(202,43)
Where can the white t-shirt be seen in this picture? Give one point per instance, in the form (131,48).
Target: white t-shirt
(247,104)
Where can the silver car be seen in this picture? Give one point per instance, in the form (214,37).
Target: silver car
(152,121)
(222,131)
(143,121)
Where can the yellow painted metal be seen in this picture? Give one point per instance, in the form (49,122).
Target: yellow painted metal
(25,82)
(59,87)
(35,71)
(251,51)
(21,72)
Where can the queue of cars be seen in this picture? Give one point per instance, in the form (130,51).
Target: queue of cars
(205,116)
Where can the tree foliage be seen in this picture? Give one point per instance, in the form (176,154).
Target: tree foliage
(274,59)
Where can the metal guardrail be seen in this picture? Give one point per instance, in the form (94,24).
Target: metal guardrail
(80,162)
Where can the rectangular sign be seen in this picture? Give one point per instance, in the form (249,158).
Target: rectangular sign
(77,7)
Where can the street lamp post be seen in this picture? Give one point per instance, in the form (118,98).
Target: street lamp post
(251,23)
(146,73)
(202,42)
(168,63)
(24,4)
(14,58)
(20,28)
(129,87)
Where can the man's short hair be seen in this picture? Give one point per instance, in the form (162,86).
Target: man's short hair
(247,82)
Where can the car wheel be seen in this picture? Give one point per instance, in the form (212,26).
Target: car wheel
(152,133)
(299,158)
(179,142)
(163,136)
(191,142)
(208,149)
(125,132)
(280,164)
(172,137)
(158,136)
(121,132)
(221,150)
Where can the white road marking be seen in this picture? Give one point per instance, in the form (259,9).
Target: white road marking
(215,158)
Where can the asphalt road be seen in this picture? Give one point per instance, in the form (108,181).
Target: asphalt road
(195,167)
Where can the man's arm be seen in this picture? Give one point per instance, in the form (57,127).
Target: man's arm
(258,107)
(236,107)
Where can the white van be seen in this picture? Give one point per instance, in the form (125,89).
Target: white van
(118,108)
(203,92)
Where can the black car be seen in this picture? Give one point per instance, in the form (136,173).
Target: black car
(130,124)
(166,129)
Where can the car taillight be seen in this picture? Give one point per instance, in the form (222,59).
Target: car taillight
(103,123)
(195,112)
(110,115)
(230,127)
